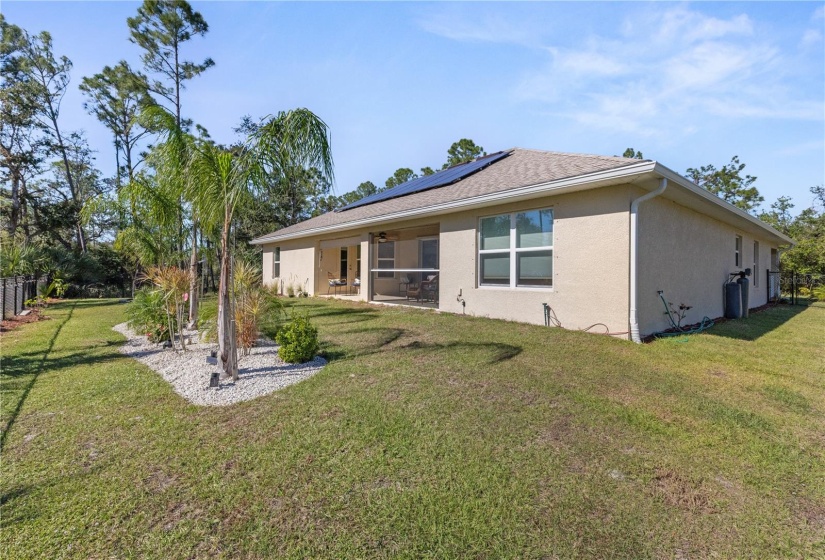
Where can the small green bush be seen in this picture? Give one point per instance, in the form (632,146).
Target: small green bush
(147,315)
(298,340)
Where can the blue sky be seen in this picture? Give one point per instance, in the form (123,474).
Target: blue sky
(686,83)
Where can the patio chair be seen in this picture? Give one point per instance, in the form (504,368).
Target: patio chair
(356,285)
(335,283)
(404,285)
(413,291)
(429,288)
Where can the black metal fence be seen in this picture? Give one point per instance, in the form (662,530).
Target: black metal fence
(793,287)
(774,286)
(16,291)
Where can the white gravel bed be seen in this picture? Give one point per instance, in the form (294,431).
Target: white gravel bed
(260,373)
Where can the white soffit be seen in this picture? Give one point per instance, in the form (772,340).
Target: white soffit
(342,242)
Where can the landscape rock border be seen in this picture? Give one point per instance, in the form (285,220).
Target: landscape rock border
(260,373)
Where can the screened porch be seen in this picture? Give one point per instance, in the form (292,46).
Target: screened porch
(404,267)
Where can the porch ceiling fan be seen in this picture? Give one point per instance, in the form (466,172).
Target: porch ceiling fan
(383,237)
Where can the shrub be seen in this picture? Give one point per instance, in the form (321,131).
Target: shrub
(147,315)
(298,340)
(255,306)
(36,302)
(58,286)
(173,283)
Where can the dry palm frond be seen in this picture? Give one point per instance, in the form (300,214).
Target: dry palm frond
(245,277)
(173,282)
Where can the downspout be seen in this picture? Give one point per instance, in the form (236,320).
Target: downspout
(634,242)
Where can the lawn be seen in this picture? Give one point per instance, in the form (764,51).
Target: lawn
(427,436)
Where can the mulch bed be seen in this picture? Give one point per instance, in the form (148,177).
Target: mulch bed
(13,322)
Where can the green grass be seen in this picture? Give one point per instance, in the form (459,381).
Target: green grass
(427,436)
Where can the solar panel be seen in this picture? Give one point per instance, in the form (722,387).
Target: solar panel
(440,179)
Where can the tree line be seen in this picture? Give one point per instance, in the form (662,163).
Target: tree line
(176,199)
(807,229)
(63,214)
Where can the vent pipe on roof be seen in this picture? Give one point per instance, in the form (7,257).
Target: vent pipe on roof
(634,242)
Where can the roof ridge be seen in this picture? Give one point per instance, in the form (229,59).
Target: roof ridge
(591,156)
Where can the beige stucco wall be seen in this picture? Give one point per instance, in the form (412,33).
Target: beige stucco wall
(590,280)
(297,265)
(304,262)
(590,248)
(689,256)
(686,254)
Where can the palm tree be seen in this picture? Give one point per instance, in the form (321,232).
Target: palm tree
(151,201)
(219,180)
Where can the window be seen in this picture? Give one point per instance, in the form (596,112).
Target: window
(755,272)
(343,267)
(358,261)
(516,250)
(386,258)
(276,263)
(738,252)
(428,252)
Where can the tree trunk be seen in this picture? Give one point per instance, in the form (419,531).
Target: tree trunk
(15,202)
(117,165)
(226,332)
(81,239)
(193,278)
(24,210)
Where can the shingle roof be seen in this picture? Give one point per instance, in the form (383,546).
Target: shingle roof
(520,169)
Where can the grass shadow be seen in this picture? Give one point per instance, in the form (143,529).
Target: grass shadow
(385,335)
(18,491)
(500,352)
(38,369)
(759,322)
(382,336)
(85,303)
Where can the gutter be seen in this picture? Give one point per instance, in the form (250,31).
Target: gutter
(568,184)
(708,196)
(634,242)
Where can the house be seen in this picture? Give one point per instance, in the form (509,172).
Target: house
(524,234)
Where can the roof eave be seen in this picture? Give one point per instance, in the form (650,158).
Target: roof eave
(708,196)
(624,174)
(569,184)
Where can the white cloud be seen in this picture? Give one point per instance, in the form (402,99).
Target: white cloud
(680,65)
(683,25)
(692,27)
(488,28)
(810,38)
(819,13)
(715,65)
(815,146)
(590,63)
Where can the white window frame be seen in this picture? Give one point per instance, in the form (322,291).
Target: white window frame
(385,260)
(738,252)
(343,257)
(437,249)
(276,262)
(514,251)
(755,272)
